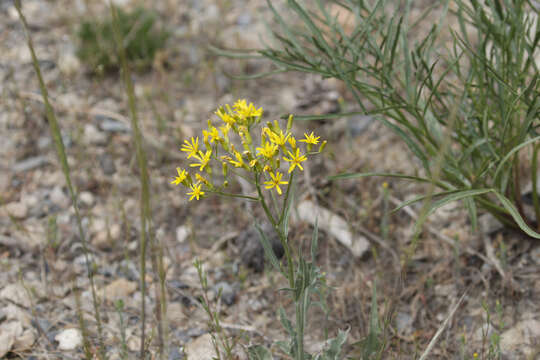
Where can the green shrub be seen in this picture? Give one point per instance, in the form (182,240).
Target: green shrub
(467,106)
(142,40)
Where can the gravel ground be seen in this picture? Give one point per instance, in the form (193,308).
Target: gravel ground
(43,270)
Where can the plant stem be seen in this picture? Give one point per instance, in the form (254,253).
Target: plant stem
(60,150)
(534,169)
(280,233)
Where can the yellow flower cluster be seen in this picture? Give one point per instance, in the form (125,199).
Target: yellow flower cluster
(261,159)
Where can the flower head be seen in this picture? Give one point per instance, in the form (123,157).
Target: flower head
(310,139)
(213,134)
(275,182)
(245,110)
(225,116)
(182,175)
(278,139)
(195,191)
(295,160)
(239,160)
(268,150)
(204,159)
(191,148)
(292,142)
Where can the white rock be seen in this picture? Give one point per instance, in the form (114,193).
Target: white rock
(16,293)
(182,232)
(115,231)
(94,136)
(25,340)
(6,342)
(87,198)
(58,197)
(18,210)
(119,289)
(201,348)
(30,200)
(521,337)
(175,314)
(16,313)
(8,333)
(68,63)
(333,224)
(134,343)
(98,224)
(69,339)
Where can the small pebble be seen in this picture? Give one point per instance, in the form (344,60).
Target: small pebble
(113,126)
(87,198)
(58,197)
(18,210)
(107,164)
(228,294)
(69,339)
(30,163)
(182,232)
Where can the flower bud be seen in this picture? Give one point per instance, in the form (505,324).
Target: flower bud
(289,122)
(225,168)
(321,148)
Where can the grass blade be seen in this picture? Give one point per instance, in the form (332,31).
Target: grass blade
(433,341)
(61,153)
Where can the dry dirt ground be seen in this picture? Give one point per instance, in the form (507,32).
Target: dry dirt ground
(42,267)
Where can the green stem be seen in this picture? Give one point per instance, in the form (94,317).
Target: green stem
(60,150)
(221,193)
(281,234)
(263,203)
(534,168)
(286,199)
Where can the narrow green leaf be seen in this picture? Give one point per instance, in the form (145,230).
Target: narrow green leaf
(515,215)
(315,241)
(511,153)
(334,346)
(470,204)
(420,198)
(285,322)
(259,352)
(361,175)
(459,195)
(235,54)
(268,251)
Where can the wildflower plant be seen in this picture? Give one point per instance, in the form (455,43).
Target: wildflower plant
(268,156)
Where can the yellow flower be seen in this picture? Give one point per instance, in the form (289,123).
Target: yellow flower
(193,148)
(268,150)
(203,158)
(292,142)
(246,111)
(200,178)
(310,139)
(225,129)
(278,139)
(182,175)
(213,134)
(227,118)
(239,161)
(275,182)
(295,160)
(195,191)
